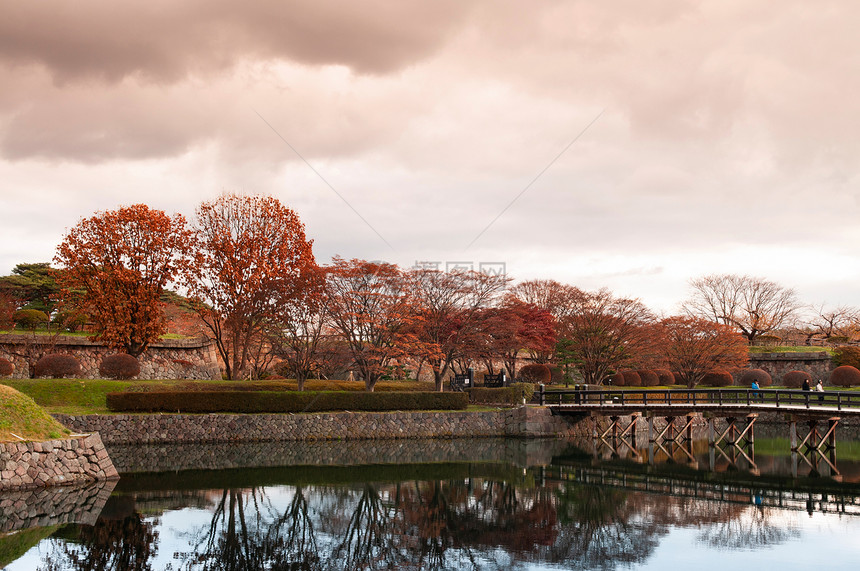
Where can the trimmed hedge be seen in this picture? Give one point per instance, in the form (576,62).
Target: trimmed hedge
(718,378)
(649,378)
(794,379)
(666,378)
(617,380)
(760,376)
(512,395)
(57,366)
(6,367)
(556,375)
(120,366)
(280,402)
(845,376)
(632,379)
(536,373)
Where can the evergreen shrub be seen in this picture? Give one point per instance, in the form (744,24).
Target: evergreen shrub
(30,318)
(632,379)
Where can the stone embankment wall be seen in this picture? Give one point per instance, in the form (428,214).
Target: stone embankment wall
(224,456)
(168,359)
(818,364)
(43,507)
(191,428)
(26,465)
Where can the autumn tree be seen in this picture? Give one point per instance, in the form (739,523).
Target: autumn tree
(549,295)
(370,306)
(754,306)
(604,333)
(117,263)
(251,259)
(448,305)
(504,332)
(298,334)
(695,346)
(828,322)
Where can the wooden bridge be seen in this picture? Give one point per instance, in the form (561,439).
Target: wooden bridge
(739,408)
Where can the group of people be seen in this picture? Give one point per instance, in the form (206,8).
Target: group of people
(819,387)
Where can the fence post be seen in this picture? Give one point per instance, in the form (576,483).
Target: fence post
(542,395)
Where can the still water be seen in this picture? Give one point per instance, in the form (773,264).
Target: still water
(485,504)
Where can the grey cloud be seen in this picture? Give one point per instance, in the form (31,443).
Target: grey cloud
(168,40)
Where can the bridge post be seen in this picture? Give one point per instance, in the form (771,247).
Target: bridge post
(712,439)
(792,435)
(542,395)
(651,428)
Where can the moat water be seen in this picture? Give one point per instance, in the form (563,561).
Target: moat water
(535,505)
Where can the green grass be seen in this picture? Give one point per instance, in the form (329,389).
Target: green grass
(790,349)
(21,417)
(89,396)
(14,545)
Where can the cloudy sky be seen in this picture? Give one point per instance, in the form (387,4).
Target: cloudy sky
(718,136)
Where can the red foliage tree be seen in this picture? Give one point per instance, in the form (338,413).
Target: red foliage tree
(117,263)
(604,333)
(695,346)
(370,306)
(251,259)
(298,335)
(514,327)
(449,306)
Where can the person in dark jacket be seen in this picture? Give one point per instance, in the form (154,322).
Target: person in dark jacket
(806,386)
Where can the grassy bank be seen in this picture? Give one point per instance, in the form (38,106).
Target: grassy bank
(22,419)
(88,396)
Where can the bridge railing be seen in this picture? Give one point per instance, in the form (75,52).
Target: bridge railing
(729,397)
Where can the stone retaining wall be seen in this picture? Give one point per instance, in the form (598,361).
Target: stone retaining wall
(26,465)
(130,458)
(53,506)
(190,428)
(777,365)
(168,359)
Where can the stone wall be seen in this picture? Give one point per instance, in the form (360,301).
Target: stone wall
(131,458)
(168,359)
(26,465)
(818,364)
(189,428)
(43,507)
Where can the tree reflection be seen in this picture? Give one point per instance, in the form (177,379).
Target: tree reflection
(754,527)
(121,543)
(600,528)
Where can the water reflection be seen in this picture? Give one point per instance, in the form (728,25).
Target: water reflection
(573,513)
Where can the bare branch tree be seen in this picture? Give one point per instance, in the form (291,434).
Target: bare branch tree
(754,306)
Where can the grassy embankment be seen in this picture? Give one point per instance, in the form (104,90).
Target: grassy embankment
(22,419)
(88,396)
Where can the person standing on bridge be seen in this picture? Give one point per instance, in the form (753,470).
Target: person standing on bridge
(755,388)
(806,386)
(819,388)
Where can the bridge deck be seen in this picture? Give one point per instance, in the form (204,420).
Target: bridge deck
(724,402)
